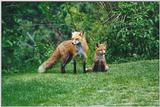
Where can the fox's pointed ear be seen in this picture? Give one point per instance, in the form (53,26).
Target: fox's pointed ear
(104,43)
(97,45)
(81,33)
(105,46)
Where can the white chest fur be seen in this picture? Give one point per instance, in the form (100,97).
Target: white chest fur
(80,50)
(100,57)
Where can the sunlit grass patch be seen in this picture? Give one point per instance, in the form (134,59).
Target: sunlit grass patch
(134,83)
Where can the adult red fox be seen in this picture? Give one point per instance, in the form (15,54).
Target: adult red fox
(68,50)
(99,61)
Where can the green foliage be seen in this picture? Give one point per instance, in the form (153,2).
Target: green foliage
(32,30)
(137,33)
(127,84)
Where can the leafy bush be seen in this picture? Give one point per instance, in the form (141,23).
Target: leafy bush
(137,33)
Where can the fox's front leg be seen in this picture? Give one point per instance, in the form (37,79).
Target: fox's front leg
(74,66)
(84,63)
(74,63)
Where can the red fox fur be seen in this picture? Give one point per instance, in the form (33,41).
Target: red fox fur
(99,61)
(68,50)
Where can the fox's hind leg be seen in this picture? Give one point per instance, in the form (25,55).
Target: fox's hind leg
(95,66)
(106,68)
(65,60)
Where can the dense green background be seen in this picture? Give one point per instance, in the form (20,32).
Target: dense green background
(32,30)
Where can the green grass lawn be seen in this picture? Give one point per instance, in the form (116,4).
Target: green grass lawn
(133,83)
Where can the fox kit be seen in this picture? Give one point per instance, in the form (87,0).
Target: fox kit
(99,63)
(67,51)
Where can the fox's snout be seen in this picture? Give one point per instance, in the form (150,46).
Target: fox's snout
(102,52)
(75,42)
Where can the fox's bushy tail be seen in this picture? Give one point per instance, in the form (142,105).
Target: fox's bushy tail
(50,61)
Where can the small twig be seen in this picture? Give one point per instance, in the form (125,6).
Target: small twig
(109,19)
(12,5)
(31,38)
